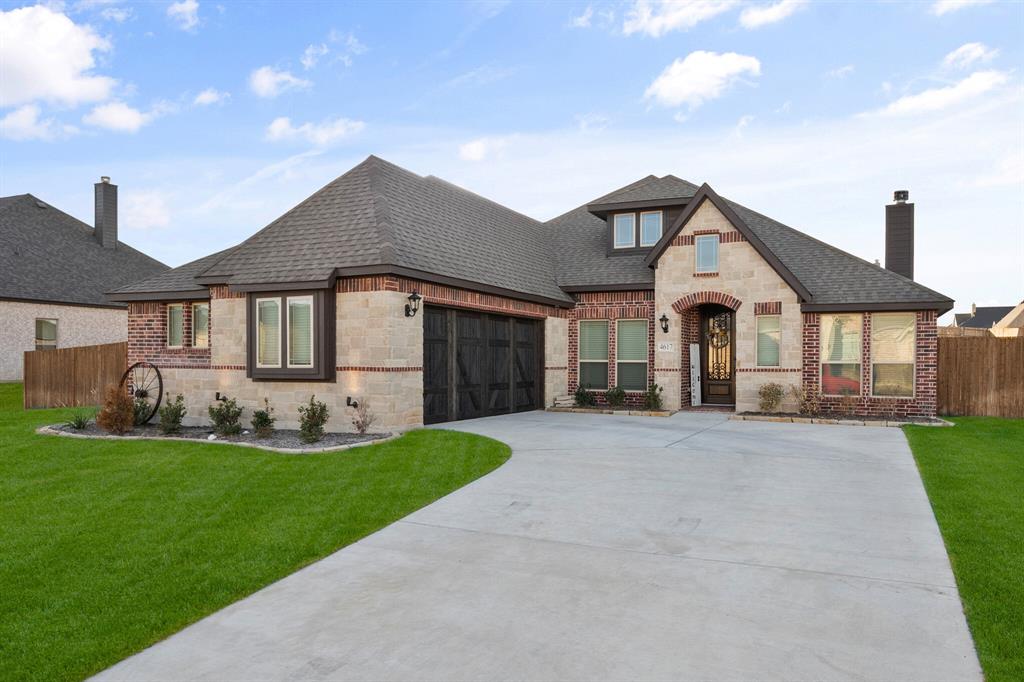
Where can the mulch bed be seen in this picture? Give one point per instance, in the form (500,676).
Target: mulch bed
(843,418)
(287,439)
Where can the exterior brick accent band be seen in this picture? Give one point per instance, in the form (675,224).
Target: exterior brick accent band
(768,308)
(704,297)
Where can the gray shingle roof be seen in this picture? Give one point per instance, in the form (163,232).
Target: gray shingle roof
(181,279)
(831,275)
(48,255)
(986,316)
(378,214)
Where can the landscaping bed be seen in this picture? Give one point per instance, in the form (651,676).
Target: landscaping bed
(796,418)
(281,440)
(609,410)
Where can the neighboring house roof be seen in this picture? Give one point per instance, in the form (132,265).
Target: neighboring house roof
(48,255)
(960,318)
(1013,319)
(986,317)
(381,218)
(835,279)
(179,282)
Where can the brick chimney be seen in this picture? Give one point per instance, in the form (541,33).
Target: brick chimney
(899,235)
(106,213)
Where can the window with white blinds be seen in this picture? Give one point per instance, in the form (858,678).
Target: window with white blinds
(650,228)
(893,343)
(593,347)
(200,325)
(706,250)
(840,354)
(625,231)
(768,333)
(46,334)
(300,331)
(268,332)
(175,325)
(631,355)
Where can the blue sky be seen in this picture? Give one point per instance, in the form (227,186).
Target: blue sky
(215,118)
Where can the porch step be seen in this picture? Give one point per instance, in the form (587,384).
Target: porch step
(564,401)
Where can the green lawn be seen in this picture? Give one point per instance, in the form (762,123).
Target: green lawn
(106,548)
(974,475)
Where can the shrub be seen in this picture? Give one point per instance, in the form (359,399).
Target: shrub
(118,412)
(652,398)
(808,400)
(263,420)
(364,418)
(80,419)
(171,414)
(848,403)
(225,416)
(140,411)
(312,418)
(769,396)
(615,397)
(584,398)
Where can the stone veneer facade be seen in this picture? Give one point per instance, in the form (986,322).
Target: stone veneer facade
(379,351)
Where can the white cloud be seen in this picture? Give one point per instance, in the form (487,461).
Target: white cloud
(353,44)
(937,99)
(742,124)
(312,55)
(840,72)
(121,118)
(700,77)
(967,54)
(185,14)
(24,123)
(657,17)
(482,148)
(210,96)
(583,20)
(940,7)
(319,134)
(267,81)
(592,122)
(756,17)
(46,56)
(117,14)
(481,75)
(145,210)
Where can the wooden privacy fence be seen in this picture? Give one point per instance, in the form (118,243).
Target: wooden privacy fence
(72,376)
(981,375)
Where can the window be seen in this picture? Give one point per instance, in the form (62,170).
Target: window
(593,344)
(268,332)
(631,355)
(46,334)
(200,325)
(893,343)
(840,354)
(625,231)
(650,228)
(300,331)
(706,253)
(768,341)
(175,325)
(291,335)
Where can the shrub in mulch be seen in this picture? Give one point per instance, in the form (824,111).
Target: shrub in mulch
(118,412)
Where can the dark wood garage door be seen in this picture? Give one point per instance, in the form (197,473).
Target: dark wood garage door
(477,364)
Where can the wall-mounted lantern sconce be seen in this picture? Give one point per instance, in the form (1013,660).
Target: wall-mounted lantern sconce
(413,306)
(351,403)
(664,323)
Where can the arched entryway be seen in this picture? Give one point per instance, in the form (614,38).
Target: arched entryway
(709,329)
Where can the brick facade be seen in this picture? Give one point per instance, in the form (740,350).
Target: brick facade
(611,306)
(147,337)
(924,401)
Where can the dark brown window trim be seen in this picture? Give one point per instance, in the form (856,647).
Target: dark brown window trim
(636,248)
(323,337)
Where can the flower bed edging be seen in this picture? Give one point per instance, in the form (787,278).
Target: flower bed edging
(621,413)
(937,421)
(50,431)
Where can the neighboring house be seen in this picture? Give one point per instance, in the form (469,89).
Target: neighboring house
(55,272)
(513,313)
(1012,323)
(983,317)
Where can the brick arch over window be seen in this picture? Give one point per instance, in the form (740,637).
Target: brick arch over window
(702,297)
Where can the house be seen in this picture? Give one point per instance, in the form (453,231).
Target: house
(983,317)
(430,303)
(55,272)
(1011,324)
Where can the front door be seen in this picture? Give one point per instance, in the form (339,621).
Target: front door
(718,356)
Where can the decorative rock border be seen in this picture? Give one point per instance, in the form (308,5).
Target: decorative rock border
(623,413)
(840,422)
(50,431)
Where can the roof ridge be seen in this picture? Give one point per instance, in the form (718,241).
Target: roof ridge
(382,213)
(633,185)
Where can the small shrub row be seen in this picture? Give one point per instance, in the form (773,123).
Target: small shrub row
(615,397)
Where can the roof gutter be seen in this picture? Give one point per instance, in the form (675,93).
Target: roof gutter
(941,306)
(189,295)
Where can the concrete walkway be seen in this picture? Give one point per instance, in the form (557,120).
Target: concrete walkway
(622,548)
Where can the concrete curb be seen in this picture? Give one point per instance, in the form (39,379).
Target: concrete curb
(939,422)
(50,431)
(621,413)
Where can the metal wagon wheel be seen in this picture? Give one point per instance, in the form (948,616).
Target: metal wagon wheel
(146,388)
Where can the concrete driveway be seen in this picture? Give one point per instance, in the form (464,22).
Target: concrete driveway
(621,548)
